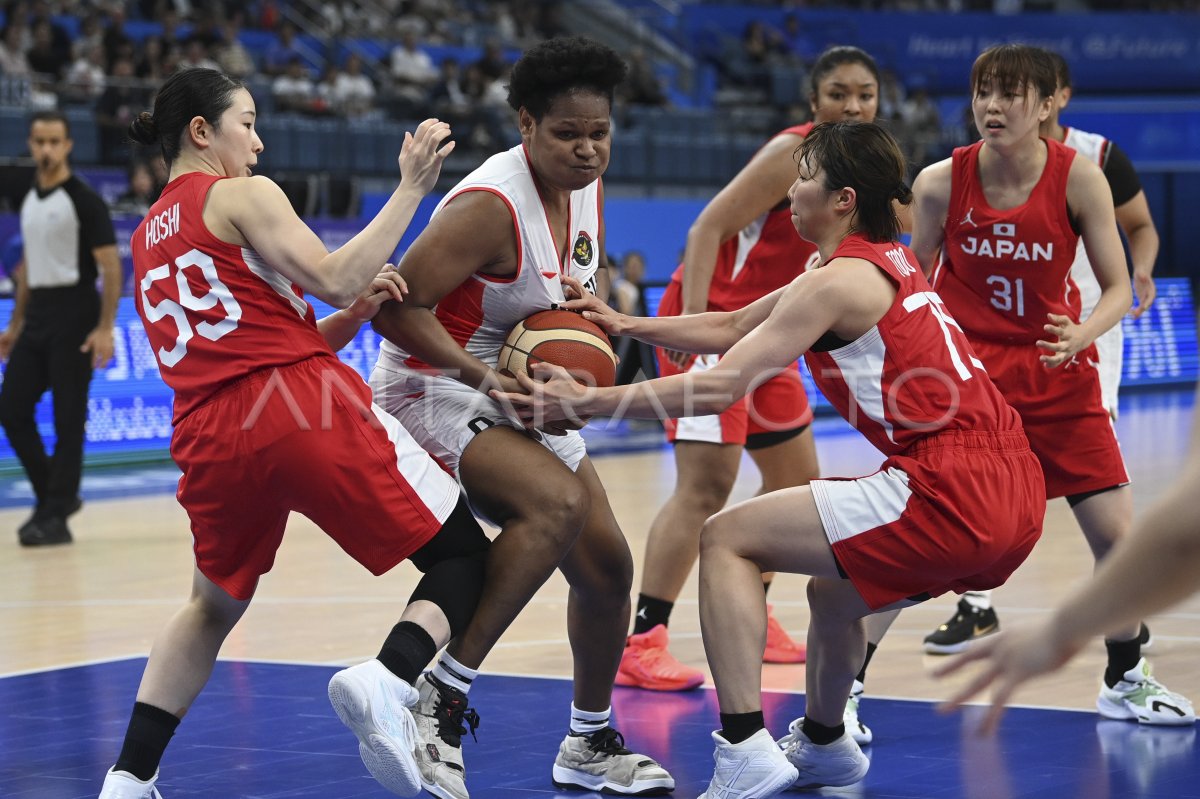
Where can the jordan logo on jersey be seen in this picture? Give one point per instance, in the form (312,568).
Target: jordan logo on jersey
(583,252)
(967,219)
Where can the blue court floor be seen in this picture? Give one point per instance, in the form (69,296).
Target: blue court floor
(266,731)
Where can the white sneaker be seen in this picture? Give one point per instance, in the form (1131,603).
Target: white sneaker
(123,785)
(374,704)
(834,764)
(600,762)
(1139,696)
(753,769)
(442,718)
(860,732)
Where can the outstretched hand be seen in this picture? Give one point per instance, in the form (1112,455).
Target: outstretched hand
(1007,660)
(420,157)
(548,403)
(387,285)
(592,308)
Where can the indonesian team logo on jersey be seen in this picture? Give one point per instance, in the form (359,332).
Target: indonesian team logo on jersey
(583,251)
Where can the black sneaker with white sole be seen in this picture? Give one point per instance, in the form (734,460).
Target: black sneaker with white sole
(966,625)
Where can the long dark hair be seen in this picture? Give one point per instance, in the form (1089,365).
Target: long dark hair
(184,96)
(862,156)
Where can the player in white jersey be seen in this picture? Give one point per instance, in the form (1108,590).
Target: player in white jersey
(1133,216)
(975,617)
(495,251)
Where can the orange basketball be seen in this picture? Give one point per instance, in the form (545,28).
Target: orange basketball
(564,339)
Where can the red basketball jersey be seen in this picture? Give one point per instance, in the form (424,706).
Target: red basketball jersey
(1003,271)
(914,374)
(214,312)
(766,254)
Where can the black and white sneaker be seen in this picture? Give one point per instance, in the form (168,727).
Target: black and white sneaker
(966,625)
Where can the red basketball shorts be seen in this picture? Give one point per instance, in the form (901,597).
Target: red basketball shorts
(304,438)
(779,404)
(959,511)
(1063,413)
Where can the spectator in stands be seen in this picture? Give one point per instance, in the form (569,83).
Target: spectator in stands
(85,80)
(413,75)
(281,52)
(195,55)
(492,64)
(923,126)
(801,46)
(60,327)
(43,57)
(152,65)
(116,40)
(12,50)
(642,86)
(232,55)
(626,296)
(60,40)
(123,98)
(353,93)
(141,193)
(91,34)
(294,90)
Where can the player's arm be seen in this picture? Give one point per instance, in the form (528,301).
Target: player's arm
(259,212)
(1090,200)
(1134,218)
(473,232)
(709,332)
(931,202)
(761,185)
(15,322)
(1133,215)
(849,299)
(1150,570)
(340,327)
(99,342)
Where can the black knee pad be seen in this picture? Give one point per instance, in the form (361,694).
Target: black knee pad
(454,562)
(460,535)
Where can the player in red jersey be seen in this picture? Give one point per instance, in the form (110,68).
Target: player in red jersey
(1005,215)
(974,612)
(742,247)
(269,421)
(957,504)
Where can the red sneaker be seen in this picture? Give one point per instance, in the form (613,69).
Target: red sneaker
(646,663)
(780,646)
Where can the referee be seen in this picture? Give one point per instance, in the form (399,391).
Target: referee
(61,328)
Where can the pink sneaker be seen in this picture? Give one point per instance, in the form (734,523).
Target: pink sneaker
(646,663)
(780,646)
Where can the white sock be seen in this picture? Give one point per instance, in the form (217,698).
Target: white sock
(979,600)
(449,671)
(586,722)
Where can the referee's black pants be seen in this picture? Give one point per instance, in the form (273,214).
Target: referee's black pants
(46,356)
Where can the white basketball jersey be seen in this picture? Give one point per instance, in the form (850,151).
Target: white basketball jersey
(1091,146)
(1111,343)
(481,311)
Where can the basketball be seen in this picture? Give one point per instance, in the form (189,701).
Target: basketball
(564,339)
